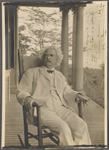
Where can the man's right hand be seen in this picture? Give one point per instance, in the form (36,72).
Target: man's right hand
(28,102)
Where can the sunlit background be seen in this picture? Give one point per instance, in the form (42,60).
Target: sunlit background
(41,26)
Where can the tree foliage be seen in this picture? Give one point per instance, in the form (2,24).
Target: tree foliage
(39,29)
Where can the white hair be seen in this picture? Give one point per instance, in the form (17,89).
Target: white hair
(57,50)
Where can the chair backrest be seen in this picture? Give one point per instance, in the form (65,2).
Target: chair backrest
(31,62)
(26,62)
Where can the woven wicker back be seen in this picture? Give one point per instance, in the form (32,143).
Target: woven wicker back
(31,62)
(26,62)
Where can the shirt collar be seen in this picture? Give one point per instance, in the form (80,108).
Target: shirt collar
(48,68)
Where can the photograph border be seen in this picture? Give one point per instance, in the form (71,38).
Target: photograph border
(2,65)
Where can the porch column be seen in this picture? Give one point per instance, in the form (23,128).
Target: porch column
(14,71)
(77,54)
(64,41)
(16,34)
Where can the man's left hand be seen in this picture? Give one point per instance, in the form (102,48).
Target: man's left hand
(80,98)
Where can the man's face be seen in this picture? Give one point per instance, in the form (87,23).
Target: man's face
(50,58)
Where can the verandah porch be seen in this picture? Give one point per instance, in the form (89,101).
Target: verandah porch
(93,115)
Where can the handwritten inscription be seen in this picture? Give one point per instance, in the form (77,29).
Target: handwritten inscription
(95,34)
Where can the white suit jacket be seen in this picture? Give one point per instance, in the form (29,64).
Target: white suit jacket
(35,82)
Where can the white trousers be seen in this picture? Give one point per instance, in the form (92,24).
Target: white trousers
(69,127)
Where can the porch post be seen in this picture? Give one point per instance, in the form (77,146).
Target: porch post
(77,55)
(16,34)
(64,41)
(14,72)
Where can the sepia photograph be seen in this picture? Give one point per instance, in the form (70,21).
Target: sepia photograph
(54,74)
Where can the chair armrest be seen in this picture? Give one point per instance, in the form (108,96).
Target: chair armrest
(81,98)
(82,101)
(34,104)
(39,123)
(80,113)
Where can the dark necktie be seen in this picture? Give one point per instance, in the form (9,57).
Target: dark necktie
(50,71)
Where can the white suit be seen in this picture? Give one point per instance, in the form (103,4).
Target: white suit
(55,95)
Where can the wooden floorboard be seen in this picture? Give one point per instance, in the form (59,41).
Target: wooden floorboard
(14,126)
(93,115)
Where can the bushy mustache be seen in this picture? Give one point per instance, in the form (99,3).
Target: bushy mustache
(47,61)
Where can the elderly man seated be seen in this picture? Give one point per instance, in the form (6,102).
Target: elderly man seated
(48,88)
